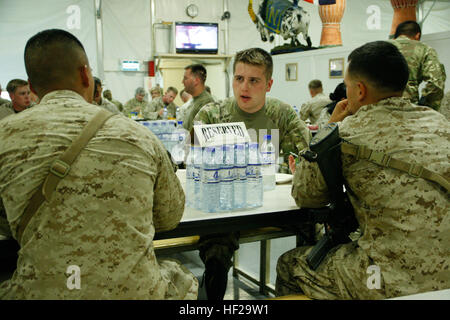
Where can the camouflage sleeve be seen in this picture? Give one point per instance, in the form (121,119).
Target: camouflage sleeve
(5,230)
(208,114)
(308,186)
(304,112)
(296,134)
(168,203)
(434,75)
(127,107)
(151,111)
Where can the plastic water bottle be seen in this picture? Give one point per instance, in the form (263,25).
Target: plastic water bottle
(165,113)
(190,179)
(178,137)
(227,179)
(268,163)
(154,126)
(210,180)
(197,199)
(254,178)
(177,113)
(240,182)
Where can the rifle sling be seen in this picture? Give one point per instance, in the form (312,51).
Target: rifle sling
(382,159)
(60,168)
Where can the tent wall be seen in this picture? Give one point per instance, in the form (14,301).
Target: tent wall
(137,30)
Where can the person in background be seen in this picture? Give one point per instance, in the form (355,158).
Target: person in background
(312,108)
(156,92)
(403,216)
(424,66)
(339,94)
(108,95)
(155,108)
(19,92)
(252,80)
(186,107)
(104,103)
(103,214)
(137,104)
(194,83)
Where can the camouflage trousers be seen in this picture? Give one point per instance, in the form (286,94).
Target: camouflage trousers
(341,275)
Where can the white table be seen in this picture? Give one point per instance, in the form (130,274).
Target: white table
(278,210)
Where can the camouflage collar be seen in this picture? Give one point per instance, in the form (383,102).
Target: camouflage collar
(60,94)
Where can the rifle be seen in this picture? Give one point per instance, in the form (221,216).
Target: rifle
(338,217)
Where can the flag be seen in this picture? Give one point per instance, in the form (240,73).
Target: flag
(321,2)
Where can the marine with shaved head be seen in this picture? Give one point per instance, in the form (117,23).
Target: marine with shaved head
(103,214)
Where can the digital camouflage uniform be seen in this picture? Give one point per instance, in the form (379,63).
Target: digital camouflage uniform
(103,215)
(197,103)
(184,111)
(445,106)
(108,105)
(152,109)
(6,109)
(293,137)
(404,220)
(424,66)
(312,108)
(133,105)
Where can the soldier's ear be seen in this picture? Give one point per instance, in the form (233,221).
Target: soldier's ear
(417,36)
(269,85)
(362,91)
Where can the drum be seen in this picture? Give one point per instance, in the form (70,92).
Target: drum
(331,16)
(404,10)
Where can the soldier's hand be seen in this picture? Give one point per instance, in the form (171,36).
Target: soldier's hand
(292,163)
(160,112)
(340,111)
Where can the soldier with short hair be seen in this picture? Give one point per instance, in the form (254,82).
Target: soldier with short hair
(19,92)
(137,104)
(155,108)
(104,103)
(107,94)
(424,66)
(194,79)
(251,82)
(111,200)
(403,214)
(311,109)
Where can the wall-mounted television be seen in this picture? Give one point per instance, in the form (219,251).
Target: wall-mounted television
(196,37)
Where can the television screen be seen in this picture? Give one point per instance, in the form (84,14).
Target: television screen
(191,37)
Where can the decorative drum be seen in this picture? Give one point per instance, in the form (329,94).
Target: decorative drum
(404,10)
(331,16)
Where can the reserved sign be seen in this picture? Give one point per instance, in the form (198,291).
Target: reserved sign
(208,135)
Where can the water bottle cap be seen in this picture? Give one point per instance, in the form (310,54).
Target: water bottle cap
(240,146)
(180,122)
(267,137)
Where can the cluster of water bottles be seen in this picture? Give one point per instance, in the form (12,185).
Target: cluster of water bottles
(172,134)
(229,177)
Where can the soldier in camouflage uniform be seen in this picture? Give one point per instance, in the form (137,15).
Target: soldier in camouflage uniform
(194,83)
(311,110)
(155,109)
(104,103)
(252,80)
(108,95)
(137,104)
(19,92)
(404,220)
(103,215)
(445,106)
(423,65)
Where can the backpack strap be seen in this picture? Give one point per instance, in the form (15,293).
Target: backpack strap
(382,159)
(60,168)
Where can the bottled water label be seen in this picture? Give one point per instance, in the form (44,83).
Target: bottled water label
(241,173)
(210,176)
(227,174)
